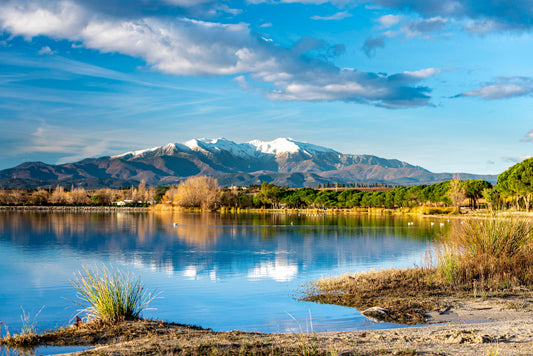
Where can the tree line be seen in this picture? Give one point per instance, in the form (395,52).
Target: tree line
(78,196)
(513,190)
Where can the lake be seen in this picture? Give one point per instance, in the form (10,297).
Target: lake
(224,272)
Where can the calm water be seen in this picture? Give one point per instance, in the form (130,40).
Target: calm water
(218,271)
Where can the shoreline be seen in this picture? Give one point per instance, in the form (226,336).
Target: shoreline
(418,212)
(65,208)
(470,328)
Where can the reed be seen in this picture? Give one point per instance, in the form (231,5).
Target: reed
(111,295)
(496,251)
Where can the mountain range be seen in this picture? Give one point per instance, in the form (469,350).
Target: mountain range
(282,161)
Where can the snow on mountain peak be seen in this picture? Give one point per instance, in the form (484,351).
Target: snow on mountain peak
(250,149)
(134,153)
(288,145)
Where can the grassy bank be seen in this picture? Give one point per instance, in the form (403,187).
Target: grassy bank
(482,258)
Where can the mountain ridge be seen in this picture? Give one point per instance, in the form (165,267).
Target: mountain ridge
(282,161)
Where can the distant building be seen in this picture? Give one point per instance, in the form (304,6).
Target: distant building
(126,202)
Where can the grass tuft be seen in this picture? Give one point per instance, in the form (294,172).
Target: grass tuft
(111,295)
(29,323)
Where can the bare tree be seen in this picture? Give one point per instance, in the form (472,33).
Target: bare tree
(39,197)
(4,197)
(59,195)
(16,197)
(78,196)
(199,191)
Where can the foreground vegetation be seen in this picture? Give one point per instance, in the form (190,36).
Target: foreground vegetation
(111,295)
(482,258)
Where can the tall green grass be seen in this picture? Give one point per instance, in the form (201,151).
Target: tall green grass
(496,251)
(111,295)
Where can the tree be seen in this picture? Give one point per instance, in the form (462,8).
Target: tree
(474,190)
(492,197)
(517,181)
(199,191)
(456,193)
(78,196)
(59,195)
(39,197)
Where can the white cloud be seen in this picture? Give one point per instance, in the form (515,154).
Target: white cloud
(58,19)
(335,17)
(268,24)
(241,81)
(46,50)
(503,88)
(424,73)
(387,21)
(184,46)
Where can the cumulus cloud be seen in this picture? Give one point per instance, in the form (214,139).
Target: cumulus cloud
(183,46)
(371,44)
(335,17)
(502,88)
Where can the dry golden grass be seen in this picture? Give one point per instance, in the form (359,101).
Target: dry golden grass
(494,253)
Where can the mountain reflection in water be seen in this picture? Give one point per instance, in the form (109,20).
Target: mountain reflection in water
(222,268)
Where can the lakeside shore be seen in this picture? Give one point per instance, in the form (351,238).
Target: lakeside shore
(471,328)
(66,208)
(162,208)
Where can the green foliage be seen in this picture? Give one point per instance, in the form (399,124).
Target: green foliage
(269,196)
(436,195)
(517,182)
(111,295)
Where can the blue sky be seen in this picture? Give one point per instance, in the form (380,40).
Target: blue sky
(444,84)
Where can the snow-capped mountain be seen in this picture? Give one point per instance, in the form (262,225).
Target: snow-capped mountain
(253,148)
(283,161)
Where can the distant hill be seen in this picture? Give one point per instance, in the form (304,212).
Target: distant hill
(283,161)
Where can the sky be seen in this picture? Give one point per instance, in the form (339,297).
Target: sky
(444,84)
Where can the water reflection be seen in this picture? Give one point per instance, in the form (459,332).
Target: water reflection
(219,271)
